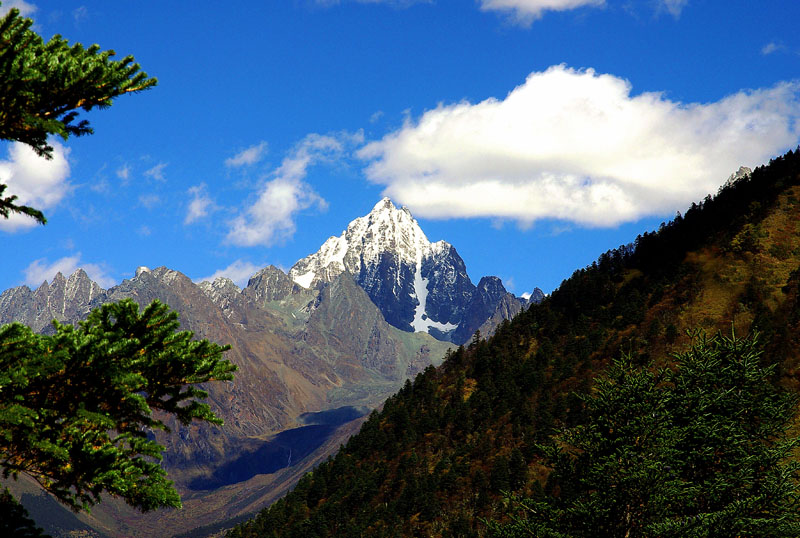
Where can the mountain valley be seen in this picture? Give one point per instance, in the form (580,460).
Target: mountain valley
(304,347)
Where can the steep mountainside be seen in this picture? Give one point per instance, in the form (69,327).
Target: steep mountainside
(417,285)
(434,461)
(300,353)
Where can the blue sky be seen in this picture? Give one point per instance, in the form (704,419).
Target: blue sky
(531,134)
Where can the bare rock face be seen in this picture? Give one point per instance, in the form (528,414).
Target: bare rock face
(269,284)
(536,297)
(65,300)
(488,307)
(418,286)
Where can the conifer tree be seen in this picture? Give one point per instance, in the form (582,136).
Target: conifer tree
(701,450)
(45,85)
(76,407)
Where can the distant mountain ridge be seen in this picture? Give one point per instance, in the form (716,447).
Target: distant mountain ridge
(64,299)
(418,285)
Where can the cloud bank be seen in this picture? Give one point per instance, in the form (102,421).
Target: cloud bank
(270,219)
(40,270)
(575,145)
(38,182)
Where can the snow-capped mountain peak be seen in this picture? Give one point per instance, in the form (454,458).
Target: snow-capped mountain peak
(418,285)
(385,229)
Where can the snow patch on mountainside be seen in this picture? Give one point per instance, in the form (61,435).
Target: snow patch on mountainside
(421,322)
(305,279)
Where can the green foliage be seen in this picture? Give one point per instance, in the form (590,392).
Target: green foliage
(76,408)
(699,450)
(44,86)
(7,206)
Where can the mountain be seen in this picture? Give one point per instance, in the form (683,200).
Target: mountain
(333,339)
(311,364)
(63,299)
(418,285)
(436,459)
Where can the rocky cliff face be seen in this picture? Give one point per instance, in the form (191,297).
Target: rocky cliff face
(269,284)
(65,299)
(418,286)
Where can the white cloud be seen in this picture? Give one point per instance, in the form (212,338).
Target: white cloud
(577,146)
(157,172)
(248,156)
(40,270)
(37,182)
(144,230)
(773,47)
(674,7)
(149,200)
(25,8)
(124,173)
(526,11)
(79,14)
(239,271)
(508,283)
(271,218)
(200,205)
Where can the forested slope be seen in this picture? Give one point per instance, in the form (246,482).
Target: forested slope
(434,461)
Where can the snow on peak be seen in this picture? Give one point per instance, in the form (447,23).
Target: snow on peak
(387,228)
(741,173)
(384,229)
(384,204)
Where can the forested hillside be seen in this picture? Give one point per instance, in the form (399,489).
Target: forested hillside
(435,460)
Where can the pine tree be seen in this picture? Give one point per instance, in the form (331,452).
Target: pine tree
(700,450)
(76,407)
(45,85)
